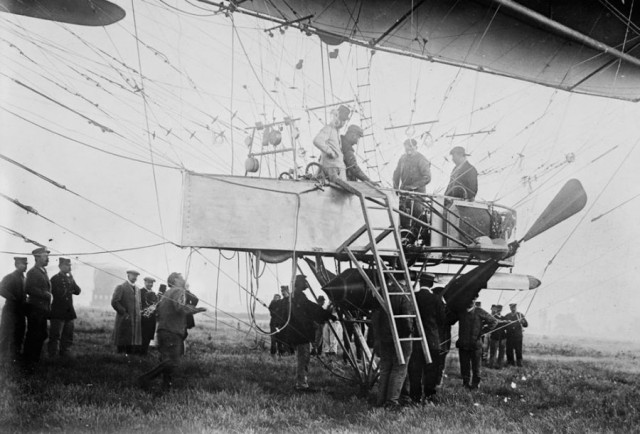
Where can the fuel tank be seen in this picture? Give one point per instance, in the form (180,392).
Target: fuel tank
(349,291)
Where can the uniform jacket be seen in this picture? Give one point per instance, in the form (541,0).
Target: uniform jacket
(382,327)
(470,328)
(412,173)
(516,322)
(63,289)
(354,173)
(38,289)
(432,314)
(126,302)
(12,289)
(326,140)
(304,313)
(463,182)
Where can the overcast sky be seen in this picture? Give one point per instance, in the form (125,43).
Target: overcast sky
(70,99)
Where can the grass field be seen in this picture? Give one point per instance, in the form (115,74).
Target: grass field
(228,382)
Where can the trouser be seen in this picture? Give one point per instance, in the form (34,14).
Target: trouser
(423,377)
(442,361)
(148,329)
(496,352)
(303,353)
(392,373)
(485,348)
(514,346)
(335,173)
(331,341)
(36,335)
(12,328)
(171,348)
(60,337)
(274,341)
(470,365)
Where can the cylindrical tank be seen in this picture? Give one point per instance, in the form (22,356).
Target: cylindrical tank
(349,291)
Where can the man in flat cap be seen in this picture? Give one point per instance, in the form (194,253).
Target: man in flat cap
(173,311)
(13,324)
(464,177)
(127,333)
(349,140)
(148,299)
(63,288)
(498,340)
(412,173)
(514,335)
(38,289)
(328,142)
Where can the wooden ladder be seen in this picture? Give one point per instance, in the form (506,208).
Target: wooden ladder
(384,272)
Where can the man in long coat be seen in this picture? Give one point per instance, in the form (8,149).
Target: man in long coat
(63,288)
(127,333)
(13,324)
(38,289)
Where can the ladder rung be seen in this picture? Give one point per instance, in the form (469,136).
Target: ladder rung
(365,102)
(364,85)
(376,207)
(389,250)
(393,271)
(388,228)
(399,293)
(362,68)
(409,339)
(368,151)
(404,316)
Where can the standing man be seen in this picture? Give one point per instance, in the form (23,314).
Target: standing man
(469,345)
(328,141)
(148,299)
(38,289)
(12,324)
(274,323)
(63,288)
(514,334)
(464,177)
(392,373)
(127,333)
(498,340)
(349,140)
(173,311)
(413,172)
(423,377)
(301,329)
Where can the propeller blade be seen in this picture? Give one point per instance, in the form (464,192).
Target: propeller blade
(570,200)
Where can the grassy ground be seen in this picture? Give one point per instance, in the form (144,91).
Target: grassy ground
(229,383)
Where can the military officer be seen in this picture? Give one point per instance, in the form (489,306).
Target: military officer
(63,288)
(12,324)
(38,289)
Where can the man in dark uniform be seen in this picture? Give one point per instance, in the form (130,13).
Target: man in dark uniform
(444,332)
(423,377)
(38,289)
(12,324)
(514,334)
(173,311)
(63,288)
(348,141)
(148,298)
(469,344)
(274,322)
(498,340)
(464,177)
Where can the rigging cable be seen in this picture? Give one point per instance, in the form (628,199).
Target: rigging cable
(146,117)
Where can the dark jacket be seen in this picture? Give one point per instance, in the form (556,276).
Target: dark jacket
(63,289)
(12,289)
(38,289)
(400,305)
(516,322)
(463,182)
(304,313)
(432,314)
(412,173)
(470,328)
(354,173)
(174,311)
(501,330)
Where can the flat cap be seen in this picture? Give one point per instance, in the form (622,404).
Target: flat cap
(20,259)
(64,261)
(513,304)
(133,272)
(356,130)
(458,150)
(40,251)
(149,279)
